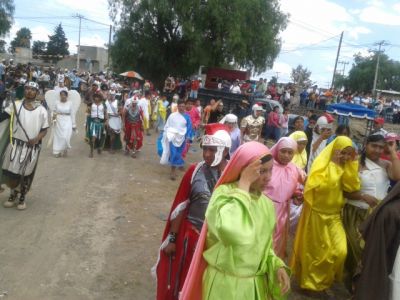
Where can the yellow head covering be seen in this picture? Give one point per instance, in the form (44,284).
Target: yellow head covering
(322,161)
(299,159)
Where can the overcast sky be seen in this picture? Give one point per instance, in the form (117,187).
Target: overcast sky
(311,37)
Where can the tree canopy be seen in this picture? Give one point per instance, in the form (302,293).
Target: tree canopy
(362,73)
(57,46)
(301,76)
(7,8)
(39,48)
(22,39)
(161,37)
(3,46)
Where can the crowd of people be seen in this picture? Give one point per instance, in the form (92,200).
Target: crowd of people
(227,232)
(315,98)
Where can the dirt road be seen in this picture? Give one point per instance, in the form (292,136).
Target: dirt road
(92,228)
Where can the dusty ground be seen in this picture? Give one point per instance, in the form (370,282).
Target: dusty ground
(92,228)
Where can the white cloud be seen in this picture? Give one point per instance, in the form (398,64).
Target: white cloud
(329,69)
(283,69)
(355,11)
(95,10)
(13,31)
(326,19)
(378,13)
(356,31)
(95,40)
(40,33)
(376,3)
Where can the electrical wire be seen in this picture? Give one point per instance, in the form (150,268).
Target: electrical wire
(307,46)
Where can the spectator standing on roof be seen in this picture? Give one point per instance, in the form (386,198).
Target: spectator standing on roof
(217,114)
(194,88)
(261,88)
(235,88)
(242,110)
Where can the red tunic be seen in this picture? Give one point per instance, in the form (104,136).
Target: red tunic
(134,133)
(168,286)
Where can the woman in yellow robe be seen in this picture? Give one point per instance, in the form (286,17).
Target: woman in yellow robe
(300,155)
(320,244)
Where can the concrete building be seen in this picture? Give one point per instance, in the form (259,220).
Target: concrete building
(92,59)
(22,56)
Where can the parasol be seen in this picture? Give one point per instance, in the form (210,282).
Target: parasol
(132,74)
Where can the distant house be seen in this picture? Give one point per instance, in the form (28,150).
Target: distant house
(92,59)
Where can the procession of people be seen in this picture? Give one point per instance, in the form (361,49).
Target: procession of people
(259,184)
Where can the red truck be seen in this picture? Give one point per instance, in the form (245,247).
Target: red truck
(214,75)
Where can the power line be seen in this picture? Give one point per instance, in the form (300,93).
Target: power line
(55,24)
(55,17)
(344,63)
(310,45)
(311,27)
(90,20)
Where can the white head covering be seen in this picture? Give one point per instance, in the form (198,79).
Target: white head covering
(32,84)
(257,107)
(217,136)
(229,118)
(322,122)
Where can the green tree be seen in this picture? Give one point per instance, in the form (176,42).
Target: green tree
(160,37)
(7,8)
(340,81)
(57,46)
(273,80)
(39,48)
(362,73)
(301,77)
(3,46)
(22,39)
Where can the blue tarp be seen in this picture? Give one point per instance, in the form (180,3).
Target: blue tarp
(351,110)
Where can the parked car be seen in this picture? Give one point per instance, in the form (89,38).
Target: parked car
(269,104)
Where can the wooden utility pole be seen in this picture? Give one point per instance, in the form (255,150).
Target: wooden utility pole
(344,63)
(79,43)
(277,76)
(109,45)
(380,44)
(337,59)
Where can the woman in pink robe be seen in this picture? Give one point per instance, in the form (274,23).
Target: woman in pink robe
(282,188)
(195,117)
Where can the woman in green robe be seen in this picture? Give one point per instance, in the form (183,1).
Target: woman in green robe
(236,243)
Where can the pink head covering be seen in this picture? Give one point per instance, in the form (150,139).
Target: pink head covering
(244,155)
(284,142)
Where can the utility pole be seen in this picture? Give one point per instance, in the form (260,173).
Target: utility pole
(277,76)
(337,58)
(380,44)
(79,42)
(109,45)
(344,63)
